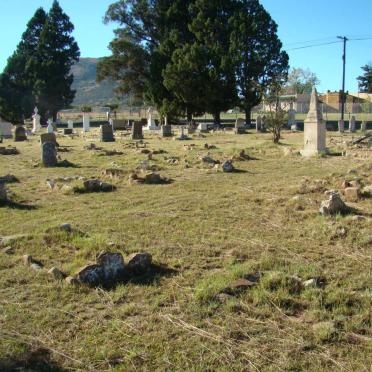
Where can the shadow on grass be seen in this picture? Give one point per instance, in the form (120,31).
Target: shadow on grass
(66,164)
(16,205)
(151,277)
(37,360)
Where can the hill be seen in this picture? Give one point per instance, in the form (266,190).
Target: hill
(88,91)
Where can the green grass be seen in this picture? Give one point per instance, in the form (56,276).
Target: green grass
(210,228)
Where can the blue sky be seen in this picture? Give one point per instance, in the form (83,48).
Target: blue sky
(299,21)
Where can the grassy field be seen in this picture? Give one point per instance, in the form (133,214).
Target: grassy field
(207,228)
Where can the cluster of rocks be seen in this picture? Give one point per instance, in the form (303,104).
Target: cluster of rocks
(110,269)
(148,178)
(242,156)
(9,150)
(113,173)
(96,185)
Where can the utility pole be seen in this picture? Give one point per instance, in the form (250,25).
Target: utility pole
(345,39)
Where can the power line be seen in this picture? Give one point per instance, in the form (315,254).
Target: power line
(315,45)
(310,41)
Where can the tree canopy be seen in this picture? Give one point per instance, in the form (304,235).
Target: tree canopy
(301,81)
(365,80)
(38,72)
(194,56)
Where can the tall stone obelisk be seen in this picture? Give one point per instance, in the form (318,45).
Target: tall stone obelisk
(314,129)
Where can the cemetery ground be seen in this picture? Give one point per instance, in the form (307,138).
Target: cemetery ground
(250,276)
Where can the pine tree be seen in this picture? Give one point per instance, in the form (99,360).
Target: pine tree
(259,60)
(57,52)
(16,82)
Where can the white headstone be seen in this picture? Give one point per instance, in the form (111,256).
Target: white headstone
(70,124)
(86,122)
(203,127)
(151,125)
(50,128)
(314,129)
(36,121)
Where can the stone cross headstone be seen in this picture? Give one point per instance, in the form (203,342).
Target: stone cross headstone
(49,154)
(107,134)
(258,123)
(86,122)
(137,131)
(352,124)
(50,128)
(151,125)
(20,134)
(36,121)
(314,129)
(70,124)
(239,126)
(341,126)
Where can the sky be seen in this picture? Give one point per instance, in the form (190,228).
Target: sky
(300,23)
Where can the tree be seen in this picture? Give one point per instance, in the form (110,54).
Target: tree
(149,33)
(258,58)
(201,72)
(17,100)
(277,114)
(301,81)
(365,80)
(57,52)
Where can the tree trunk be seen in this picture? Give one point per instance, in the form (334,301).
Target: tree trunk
(217,119)
(189,117)
(248,116)
(276,135)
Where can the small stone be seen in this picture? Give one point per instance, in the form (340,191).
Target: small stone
(207,159)
(309,283)
(91,275)
(8,250)
(238,286)
(56,273)
(35,266)
(50,184)
(352,194)
(27,260)
(228,166)
(334,206)
(113,266)
(140,263)
(71,280)
(66,227)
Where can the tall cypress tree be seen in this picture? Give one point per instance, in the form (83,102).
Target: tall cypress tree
(16,82)
(57,52)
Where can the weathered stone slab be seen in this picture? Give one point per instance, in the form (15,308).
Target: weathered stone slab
(107,134)
(137,133)
(48,137)
(240,126)
(6,129)
(166,131)
(49,154)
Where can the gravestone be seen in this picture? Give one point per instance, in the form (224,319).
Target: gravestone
(166,131)
(49,154)
(151,125)
(258,123)
(36,121)
(137,131)
(86,122)
(352,124)
(314,129)
(67,131)
(70,124)
(107,134)
(341,126)
(50,128)
(5,129)
(240,126)
(203,128)
(48,137)
(363,126)
(20,134)
(263,124)
(119,124)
